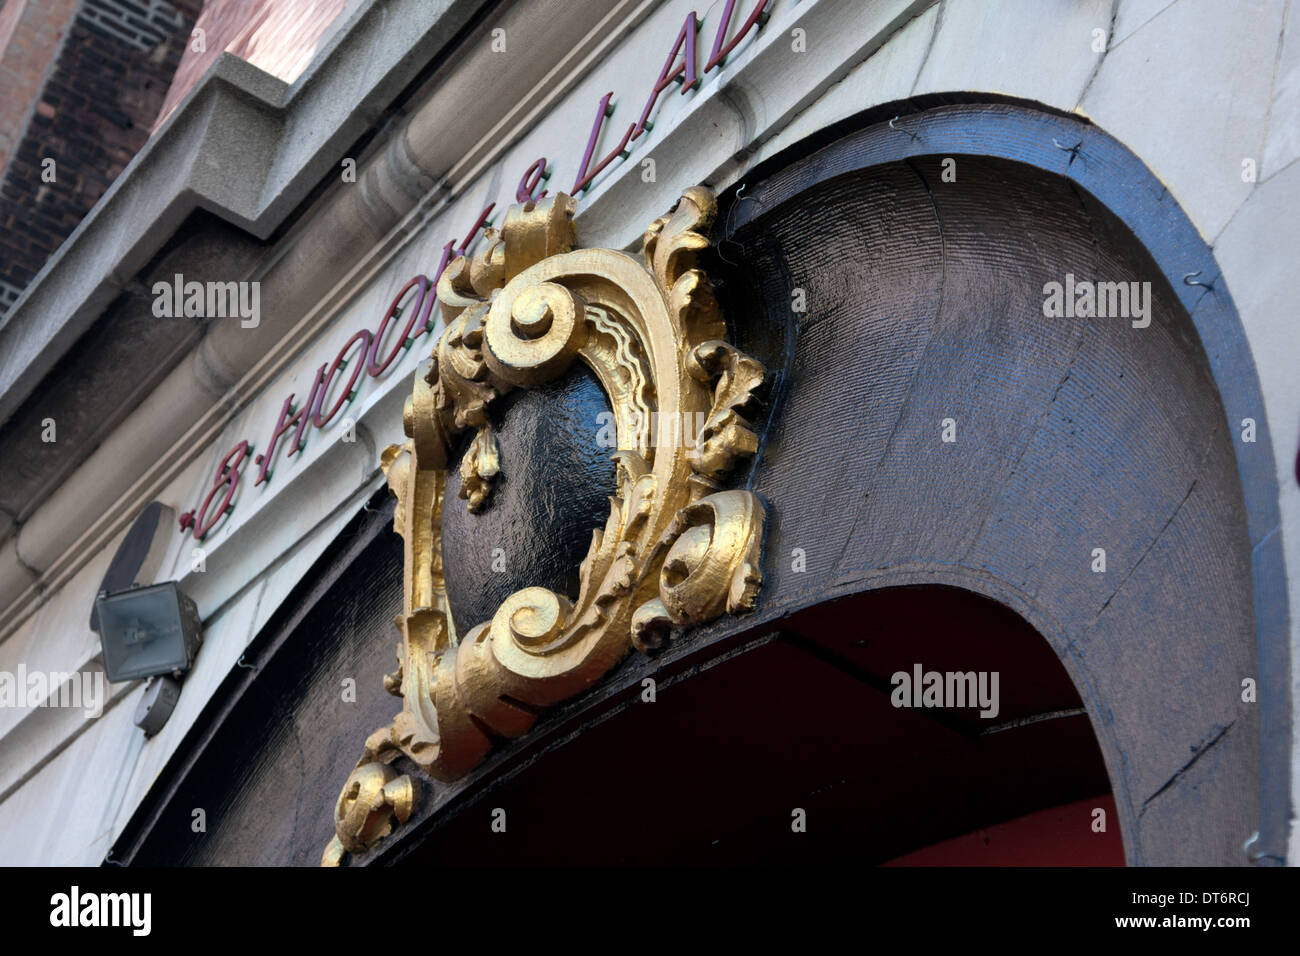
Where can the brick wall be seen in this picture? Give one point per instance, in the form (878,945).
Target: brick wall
(94,111)
(31,32)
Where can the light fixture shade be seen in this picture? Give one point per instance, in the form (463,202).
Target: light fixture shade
(148,631)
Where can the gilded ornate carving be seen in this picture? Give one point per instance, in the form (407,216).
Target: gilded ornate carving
(676,550)
(373,799)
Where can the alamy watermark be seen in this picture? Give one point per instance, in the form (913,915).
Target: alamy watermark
(208,300)
(949,690)
(662,429)
(81,690)
(75,908)
(1085,299)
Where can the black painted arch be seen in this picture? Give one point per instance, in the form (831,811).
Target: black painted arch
(1098,165)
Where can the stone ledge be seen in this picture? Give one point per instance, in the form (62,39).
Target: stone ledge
(282,138)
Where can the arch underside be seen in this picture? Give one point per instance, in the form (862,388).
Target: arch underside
(925,305)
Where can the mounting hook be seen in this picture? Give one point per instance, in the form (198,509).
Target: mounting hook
(1253,839)
(730,213)
(1072,150)
(897,130)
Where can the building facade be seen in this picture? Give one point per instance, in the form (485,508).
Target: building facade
(876,342)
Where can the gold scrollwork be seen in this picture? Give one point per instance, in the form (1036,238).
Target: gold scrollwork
(373,800)
(677,549)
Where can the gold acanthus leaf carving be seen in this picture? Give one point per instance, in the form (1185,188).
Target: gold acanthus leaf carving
(726,435)
(374,799)
(676,551)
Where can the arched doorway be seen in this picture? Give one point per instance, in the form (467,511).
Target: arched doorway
(788,748)
(1095,493)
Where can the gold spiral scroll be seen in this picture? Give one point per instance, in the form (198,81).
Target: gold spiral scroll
(676,551)
(710,565)
(533,336)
